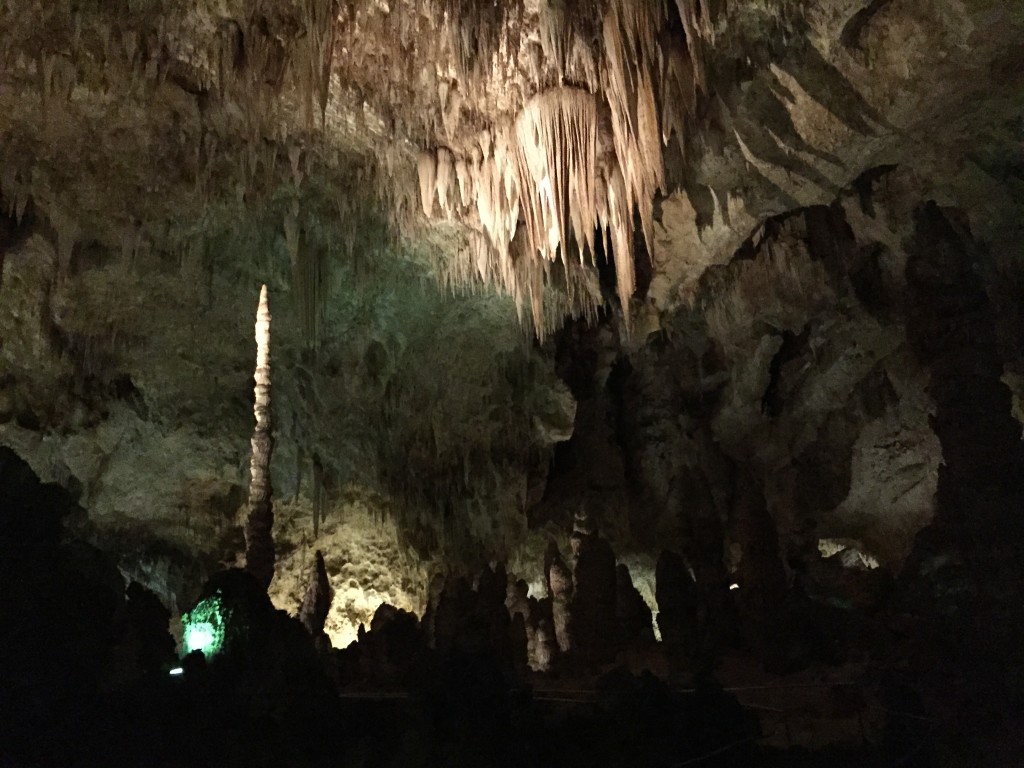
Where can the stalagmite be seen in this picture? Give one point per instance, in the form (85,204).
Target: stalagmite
(259,540)
(544,648)
(560,587)
(631,612)
(593,607)
(316,604)
(678,607)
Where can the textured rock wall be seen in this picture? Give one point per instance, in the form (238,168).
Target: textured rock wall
(782,420)
(160,161)
(128,378)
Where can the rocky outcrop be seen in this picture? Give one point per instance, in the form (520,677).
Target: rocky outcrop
(391,653)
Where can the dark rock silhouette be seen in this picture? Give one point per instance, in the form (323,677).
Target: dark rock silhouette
(316,604)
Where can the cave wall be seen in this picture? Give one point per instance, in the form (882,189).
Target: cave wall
(127,377)
(759,398)
(793,368)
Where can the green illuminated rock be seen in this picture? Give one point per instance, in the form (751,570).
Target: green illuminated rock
(206,625)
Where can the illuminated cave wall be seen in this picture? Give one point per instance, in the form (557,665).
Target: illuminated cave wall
(152,190)
(367,562)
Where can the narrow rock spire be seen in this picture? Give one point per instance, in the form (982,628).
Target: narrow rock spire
(316,605)
(259,541)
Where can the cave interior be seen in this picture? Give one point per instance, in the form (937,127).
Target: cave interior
(404,383)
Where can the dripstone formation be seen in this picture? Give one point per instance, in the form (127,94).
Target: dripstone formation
(647,382)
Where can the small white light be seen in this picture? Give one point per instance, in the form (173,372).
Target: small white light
(177,671)
(734,586)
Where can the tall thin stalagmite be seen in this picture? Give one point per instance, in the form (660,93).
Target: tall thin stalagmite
(316,605)
(259,540)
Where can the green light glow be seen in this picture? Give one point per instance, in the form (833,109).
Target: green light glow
(205,626)
(199,637)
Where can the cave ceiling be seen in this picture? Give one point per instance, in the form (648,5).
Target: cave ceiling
(440,195)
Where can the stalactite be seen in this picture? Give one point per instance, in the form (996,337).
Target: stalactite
(630,34)
(678,94)
(319,512)
(465,181)
(451,113)
(318,54)
(228,54)
(426,168)
(295,160)
(555,164)
(619,223)
(551,163)
(291,233)
(474,32)
(560,589)
(555,34)
(699,24)
(308,279)
(445,168)
(259,540)
(15,187)
(309,265)
(261,68)
(68,233)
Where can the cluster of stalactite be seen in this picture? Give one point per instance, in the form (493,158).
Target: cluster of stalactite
(308,260)
(555,113)
(579,156)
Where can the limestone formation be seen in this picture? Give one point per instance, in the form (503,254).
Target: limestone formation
(543,649)
(677,608)
(632,615)
(560,589)
(741,280)
(316,605)
(594,623)
(259,539)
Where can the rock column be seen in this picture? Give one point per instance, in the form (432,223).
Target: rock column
(259,540)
